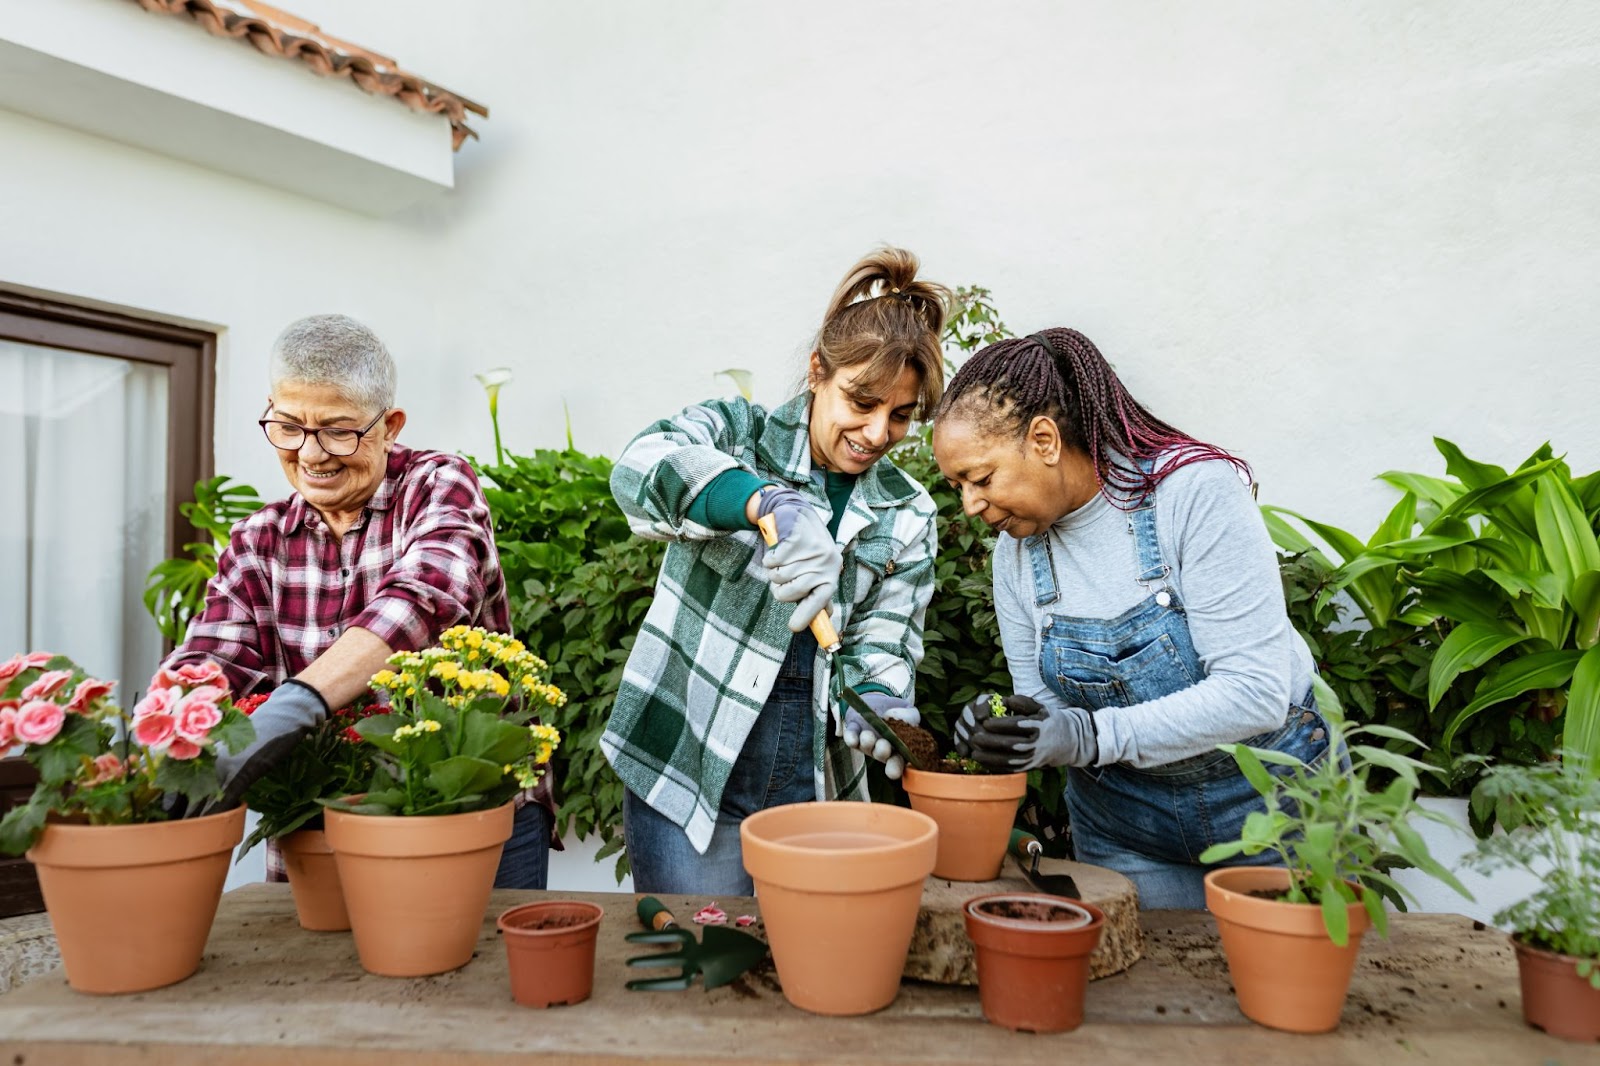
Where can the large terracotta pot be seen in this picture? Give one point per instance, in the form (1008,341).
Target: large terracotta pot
(1033,958)
(839,886)
(417,888)
(550,951)
(132,905)
(314,881)
(1554,997)
(974,812)
(1286,972)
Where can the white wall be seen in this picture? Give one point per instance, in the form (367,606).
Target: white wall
(1315,233)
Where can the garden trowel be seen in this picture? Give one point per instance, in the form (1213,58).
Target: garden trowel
(828,641)
(1026,849)
(719,956)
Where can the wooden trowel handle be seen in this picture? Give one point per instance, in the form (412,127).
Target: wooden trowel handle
(821,625)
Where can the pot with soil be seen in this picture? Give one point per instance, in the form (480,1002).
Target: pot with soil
(1033,958)
(840,885)
(550,951)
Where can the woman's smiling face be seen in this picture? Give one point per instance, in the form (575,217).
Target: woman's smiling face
(851,428)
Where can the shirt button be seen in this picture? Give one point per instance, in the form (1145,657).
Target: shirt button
(345,572)
(333,631)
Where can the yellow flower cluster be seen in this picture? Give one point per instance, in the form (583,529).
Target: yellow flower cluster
(549,738)
(405,732)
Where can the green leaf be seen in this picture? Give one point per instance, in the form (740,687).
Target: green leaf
(235,732)
(1437,491)
(1585,599)
(1468,647)
(1547,669)
(1582,728)
(1344,545)
(1397,524)
(1403,767)
(194,779)
(1543,587)
(1251,767)
(1471,473)
(1283,534)
(21,826)
(460,775)
(1568,541)
(1334,915)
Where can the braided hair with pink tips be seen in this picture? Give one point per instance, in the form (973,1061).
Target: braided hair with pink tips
(1059,373)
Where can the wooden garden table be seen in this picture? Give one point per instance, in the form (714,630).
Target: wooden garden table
(1439,991)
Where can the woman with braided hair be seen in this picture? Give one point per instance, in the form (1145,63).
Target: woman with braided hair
(724,707)
(1140,609)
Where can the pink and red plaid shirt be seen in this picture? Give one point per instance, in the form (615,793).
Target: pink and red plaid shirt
(420,560)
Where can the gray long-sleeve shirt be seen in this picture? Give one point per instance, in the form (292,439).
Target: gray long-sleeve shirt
(1225,573)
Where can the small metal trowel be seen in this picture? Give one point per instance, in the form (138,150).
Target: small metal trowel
(720,955)
(1027,850)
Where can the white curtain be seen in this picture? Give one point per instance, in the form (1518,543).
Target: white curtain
(83,478)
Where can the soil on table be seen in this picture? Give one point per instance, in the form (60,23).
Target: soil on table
(919,742)
(1030,911)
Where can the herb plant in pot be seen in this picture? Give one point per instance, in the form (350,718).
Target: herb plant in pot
(974,809)
(417,852)
(1552,816)
(104,827)
(329,762)
(1291,933)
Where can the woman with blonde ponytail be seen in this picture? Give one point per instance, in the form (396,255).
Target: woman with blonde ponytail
(724,705)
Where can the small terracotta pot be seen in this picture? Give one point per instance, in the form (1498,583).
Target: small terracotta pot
(1033,958)
(1554,997)
(314,880)
(839,885)
(132,905)
(550,950)
(975,813)
(417,888)
(1286,972)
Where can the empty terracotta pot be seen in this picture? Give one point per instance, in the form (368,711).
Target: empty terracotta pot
(839,886)
(1286,973)
(132,905)
(417,888)
(1554,997)
(975,813)
(550,951)
(1033,958)
(314,880)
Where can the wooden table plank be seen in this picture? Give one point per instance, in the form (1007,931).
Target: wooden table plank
(270,992)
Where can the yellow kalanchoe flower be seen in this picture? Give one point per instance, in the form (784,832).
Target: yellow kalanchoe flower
(385,678)
(446,670)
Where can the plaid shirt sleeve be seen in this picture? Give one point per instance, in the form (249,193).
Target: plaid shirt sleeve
(439,576)
(663,469)
(882,642)
(227,628)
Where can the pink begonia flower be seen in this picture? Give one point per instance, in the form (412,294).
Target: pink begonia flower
(10,669)
(196,717)
(183,749)
(89,690)
(47,684)
(35,659)
(156,701)
(8,724)
(107,767)
(155,730)
(39,722)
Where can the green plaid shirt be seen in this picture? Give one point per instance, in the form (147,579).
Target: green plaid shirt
(713,639)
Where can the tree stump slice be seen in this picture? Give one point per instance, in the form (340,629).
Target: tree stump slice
(940,951)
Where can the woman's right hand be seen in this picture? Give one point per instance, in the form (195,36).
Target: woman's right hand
(803,567)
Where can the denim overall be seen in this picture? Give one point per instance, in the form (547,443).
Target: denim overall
(1151,824)
(774,767)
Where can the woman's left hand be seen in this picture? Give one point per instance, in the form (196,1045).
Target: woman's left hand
(1053,736)
(862,737)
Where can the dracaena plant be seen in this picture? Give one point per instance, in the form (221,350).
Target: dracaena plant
(100,765)
(1331,827)
(1505,566)
(459,736)
(1551,814)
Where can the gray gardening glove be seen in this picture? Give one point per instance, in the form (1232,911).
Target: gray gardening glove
(977,711)
(1056,736)
(293,710)
(803,567)
(860,736)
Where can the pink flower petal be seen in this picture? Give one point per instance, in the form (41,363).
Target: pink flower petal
(745,921)
(711,915)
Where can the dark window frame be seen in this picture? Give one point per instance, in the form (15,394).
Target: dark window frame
(190,356)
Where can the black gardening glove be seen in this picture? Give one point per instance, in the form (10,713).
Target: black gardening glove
(293,710)
(978,711)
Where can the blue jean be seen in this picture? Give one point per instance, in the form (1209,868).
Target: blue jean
(773,768)
(1152,827)
(525,861)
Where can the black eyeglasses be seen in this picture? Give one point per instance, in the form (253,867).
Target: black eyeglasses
(289,437)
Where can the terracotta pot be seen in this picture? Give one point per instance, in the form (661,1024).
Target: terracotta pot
(1554,997)
(550,950)
(839,885)
(1286,972)
(1033,958)
(132,904)
(417,888)
(314,881)
(975,813)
